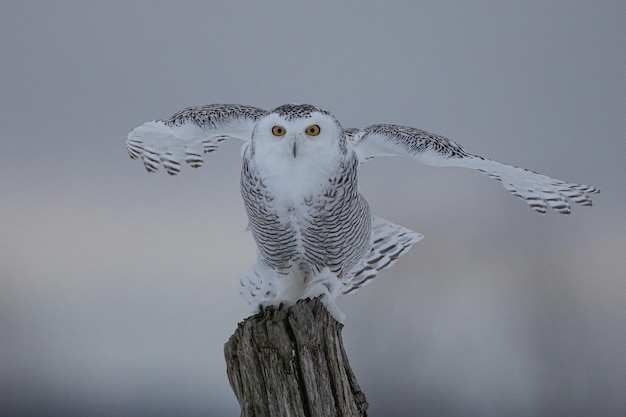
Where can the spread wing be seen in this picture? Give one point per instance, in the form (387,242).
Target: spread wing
(189,133)
(539,191)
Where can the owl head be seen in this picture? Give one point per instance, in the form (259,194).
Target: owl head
(298,132)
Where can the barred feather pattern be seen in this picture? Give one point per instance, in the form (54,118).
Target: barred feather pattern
(417,141)
(276,239)
(214,116)
(390,241)
(299,111)
(335,233)
(188,134)
(539,191)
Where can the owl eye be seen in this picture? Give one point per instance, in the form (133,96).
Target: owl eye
(313,130)
(278,131)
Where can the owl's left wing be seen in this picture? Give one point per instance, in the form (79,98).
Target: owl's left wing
(189,133)
(539,191)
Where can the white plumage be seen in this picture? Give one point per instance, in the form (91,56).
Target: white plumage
(313,229)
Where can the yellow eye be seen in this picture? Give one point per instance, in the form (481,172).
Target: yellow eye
(313,130)
(278,130)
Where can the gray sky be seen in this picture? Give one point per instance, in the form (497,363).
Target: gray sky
(118,288)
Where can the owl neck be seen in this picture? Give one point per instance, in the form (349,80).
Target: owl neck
(295,179)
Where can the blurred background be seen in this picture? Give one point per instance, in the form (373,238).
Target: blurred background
(118,288)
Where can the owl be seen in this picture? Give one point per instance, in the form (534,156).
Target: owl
(314,232)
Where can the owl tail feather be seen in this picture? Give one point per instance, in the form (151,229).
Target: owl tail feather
(390,241)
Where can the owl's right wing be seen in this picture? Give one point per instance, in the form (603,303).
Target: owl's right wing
(189,133)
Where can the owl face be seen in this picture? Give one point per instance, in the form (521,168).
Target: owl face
(297,148)
(297,133)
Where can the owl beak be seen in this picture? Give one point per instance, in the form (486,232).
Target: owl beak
(296,142)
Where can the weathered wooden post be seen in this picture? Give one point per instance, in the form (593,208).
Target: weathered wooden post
(291,362)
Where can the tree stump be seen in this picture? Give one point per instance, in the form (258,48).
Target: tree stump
(291,362)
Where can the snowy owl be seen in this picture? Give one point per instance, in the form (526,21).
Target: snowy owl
(313,229)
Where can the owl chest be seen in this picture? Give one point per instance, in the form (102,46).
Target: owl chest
(298,214)
(294,185)
(287,206)
(300,201)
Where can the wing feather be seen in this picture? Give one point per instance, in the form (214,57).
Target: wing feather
(538,190)
(186,135)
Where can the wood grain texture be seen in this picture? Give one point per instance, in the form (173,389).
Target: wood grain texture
(291,362)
